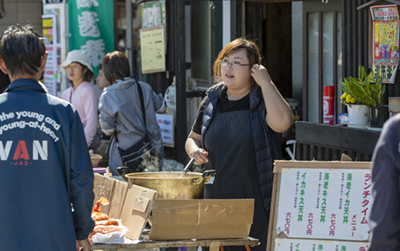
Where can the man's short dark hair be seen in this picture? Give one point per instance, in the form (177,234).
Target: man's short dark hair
(22,49)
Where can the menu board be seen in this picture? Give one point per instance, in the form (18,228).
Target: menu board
(324,203)
(282,244)
(320,202)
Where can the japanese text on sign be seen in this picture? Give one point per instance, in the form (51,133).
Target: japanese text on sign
(166,123)
(332,204)
(385,41)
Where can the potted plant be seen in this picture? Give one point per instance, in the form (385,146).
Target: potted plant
(379,112)
(360,94)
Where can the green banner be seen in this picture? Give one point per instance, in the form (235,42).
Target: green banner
(91,27)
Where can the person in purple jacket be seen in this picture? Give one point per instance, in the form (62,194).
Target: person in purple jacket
(384,218)
(46,176)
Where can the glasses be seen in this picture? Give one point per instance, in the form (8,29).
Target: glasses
(73,67)
(234,64)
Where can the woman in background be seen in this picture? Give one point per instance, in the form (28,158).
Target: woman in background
(101,79)
(238,132)
(82,95)
(121,112)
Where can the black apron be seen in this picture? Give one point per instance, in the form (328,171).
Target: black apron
(229,141)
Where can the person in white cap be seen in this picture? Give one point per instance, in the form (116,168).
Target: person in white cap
(82,95)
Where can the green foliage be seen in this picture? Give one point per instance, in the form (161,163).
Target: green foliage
(363,90)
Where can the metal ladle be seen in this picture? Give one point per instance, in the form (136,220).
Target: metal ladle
(187,167)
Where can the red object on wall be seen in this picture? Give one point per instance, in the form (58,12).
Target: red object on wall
(328,104)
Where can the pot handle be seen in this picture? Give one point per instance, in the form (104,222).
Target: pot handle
(207,175)
(123,170)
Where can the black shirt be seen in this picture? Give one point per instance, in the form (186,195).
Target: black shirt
(223,105)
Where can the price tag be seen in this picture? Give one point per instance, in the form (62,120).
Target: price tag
(140,204)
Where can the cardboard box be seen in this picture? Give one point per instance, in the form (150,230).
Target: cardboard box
(103,187)
(201,219)
(132,204)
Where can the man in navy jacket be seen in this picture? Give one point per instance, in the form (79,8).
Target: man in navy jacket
(46,177)
(384,218)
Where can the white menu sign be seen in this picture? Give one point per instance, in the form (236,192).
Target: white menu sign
(166,123)
(319,245)
(324,203)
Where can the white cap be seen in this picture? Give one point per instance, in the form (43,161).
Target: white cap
(77,56)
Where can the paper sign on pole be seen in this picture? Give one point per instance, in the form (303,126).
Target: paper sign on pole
(153,14)
(50,41)
(152,49)
(166,123)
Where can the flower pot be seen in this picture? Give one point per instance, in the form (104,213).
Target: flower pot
(378,115)
(358,115)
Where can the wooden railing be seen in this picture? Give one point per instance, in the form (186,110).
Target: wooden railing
(328,142)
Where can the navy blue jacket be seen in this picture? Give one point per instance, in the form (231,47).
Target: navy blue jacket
(384,218)
(267,142)
(45,169)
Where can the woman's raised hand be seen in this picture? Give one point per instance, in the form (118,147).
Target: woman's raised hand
(260,74)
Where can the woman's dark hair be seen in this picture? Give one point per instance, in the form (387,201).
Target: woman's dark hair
(22,49)
(115,66)
(88,74)
(252,52)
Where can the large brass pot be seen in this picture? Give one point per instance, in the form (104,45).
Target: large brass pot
(169,185)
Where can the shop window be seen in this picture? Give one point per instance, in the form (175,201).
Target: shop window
(324,60)
(206,39)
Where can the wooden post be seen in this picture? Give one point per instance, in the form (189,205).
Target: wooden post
(180,71)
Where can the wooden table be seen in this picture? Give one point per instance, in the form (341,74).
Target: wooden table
(213,244)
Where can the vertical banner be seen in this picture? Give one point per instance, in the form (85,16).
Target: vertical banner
(91,27)
(50,40)
(385,41)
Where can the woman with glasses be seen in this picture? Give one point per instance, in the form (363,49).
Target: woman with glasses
(82,95)
(238,130)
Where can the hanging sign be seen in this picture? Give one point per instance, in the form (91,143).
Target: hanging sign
(91,27)
(152,49)
(50,41)
(385,41)
(153,14)
(166,123)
